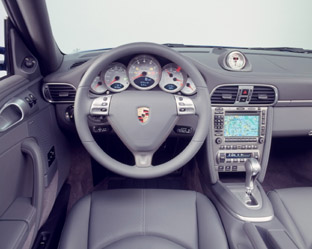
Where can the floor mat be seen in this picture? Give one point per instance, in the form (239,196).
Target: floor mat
(290,164)
(80,175)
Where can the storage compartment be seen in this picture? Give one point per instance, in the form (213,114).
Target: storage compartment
(10,115)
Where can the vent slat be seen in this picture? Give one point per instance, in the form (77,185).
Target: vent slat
(60,93)
(262,95)
(224,95)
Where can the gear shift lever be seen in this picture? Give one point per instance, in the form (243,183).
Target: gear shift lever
(252,167)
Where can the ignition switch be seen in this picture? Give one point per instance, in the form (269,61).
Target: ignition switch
(69,113)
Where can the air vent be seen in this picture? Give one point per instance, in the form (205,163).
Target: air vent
(224,95)
(59,92)
(76,64)
(263,95)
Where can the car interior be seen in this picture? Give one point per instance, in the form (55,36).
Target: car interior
(149,145)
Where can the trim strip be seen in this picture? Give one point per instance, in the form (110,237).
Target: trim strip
(53,101)
(295,101)
(242,84)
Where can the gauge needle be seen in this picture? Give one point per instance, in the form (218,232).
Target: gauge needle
(168,73)
(98,84)
(189,86)
(114,80)
(138,76)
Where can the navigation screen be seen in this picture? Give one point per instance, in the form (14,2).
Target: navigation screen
(241,126)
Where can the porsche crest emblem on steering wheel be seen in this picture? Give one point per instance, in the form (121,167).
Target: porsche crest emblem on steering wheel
(143,114)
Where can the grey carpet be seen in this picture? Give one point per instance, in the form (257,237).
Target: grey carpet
(80,175)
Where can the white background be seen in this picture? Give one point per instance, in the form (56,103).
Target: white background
(93,24)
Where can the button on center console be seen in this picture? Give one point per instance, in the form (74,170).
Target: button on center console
(239,134)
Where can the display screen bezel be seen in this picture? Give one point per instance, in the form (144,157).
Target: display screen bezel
(242,114)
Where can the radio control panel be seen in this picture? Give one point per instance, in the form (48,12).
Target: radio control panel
(238,134)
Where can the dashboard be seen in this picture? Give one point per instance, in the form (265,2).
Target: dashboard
(226,72)
(255,95)
(143,72)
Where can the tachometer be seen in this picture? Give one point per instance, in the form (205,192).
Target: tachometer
(189,87)
(115,77)
(98,86)
(172,79)
(144,72)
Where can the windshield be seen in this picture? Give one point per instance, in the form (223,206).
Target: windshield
(96,24)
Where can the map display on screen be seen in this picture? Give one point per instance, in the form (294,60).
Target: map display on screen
(241,126)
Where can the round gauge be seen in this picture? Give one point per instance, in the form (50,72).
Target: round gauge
(98,86)
(172,79)
(236,60)
(144,72)
(115,77)
(189,88)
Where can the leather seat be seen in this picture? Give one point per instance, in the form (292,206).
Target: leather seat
(293,208)
(140,219)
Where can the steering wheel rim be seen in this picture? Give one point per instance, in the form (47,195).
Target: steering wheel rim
(83,104)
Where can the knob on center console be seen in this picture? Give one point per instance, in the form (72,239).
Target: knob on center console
(218,140)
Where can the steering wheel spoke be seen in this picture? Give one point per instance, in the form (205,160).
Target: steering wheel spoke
(100,105)
(185,105)
(143,159)
(142,132)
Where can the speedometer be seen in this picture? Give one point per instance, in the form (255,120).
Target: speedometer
(172,79)
(115,77)
(144,72)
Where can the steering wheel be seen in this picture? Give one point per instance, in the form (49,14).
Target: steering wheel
(121,109)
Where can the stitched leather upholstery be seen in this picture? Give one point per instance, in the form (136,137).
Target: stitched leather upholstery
(138,219)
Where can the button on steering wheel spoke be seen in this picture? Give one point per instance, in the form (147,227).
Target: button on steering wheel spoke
(185,105)
(100,105)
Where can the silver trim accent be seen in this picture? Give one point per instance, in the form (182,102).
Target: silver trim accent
(108,87)
(18,121)
(227,60)
(53,101)
(295,101)
(143,159)
(241,217)
(185,105)
(247,85)
(100,105)
(178,89)
(151,58)
(194,91)
(252,219)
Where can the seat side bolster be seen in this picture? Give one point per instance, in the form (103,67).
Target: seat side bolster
(75,230)
(284,216)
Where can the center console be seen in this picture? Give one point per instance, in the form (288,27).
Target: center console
(239,133)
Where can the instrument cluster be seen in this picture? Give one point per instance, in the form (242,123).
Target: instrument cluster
(143,72)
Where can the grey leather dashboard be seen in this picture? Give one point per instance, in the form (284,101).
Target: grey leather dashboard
(289,72)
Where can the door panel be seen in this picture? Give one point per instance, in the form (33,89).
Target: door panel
(34,155)
(19,169)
